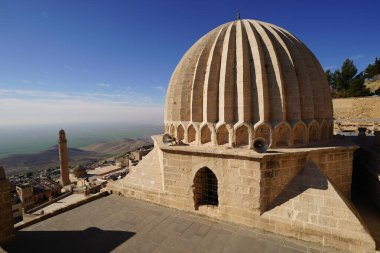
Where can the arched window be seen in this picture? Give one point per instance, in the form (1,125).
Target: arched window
(205,134)
(205,188)
(242,136)
(222,135)
(191,134)
(180,133)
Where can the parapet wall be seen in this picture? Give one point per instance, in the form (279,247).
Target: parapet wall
(6,218)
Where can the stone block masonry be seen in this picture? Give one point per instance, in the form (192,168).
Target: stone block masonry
(300,193)
(6,218)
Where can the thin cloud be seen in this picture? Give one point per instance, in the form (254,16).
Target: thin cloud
(117,97)
(32,94)
(159,88)
(42,83)
(357,57)
(67,67)
(104,85)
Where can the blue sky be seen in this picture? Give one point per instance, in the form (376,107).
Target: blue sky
(111,60)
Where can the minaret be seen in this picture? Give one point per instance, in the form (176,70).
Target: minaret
(63,158)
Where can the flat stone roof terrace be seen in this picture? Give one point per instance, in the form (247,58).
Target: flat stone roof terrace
(116,224)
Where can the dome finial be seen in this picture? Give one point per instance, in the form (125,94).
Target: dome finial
(238,15)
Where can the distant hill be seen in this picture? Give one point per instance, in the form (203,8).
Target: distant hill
(88,154)
(47,158)
(117,146)
(372,85)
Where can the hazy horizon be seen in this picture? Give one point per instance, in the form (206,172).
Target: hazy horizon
(32,139)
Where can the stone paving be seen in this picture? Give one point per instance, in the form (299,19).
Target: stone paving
(116,224)
(69,200)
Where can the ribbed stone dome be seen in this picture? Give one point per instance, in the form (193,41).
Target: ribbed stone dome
(247,79)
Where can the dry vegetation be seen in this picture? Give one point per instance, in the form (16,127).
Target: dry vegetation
(372,85)
(366,108)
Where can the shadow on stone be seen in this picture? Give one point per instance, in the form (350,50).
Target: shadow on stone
(90,240)
(309,177)
(368,213)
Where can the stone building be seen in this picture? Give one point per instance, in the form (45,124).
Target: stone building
(244,80)
(138,154)
(63,158)
(80,176)
(80,171)
(37,192)
(16,207)
(6,216)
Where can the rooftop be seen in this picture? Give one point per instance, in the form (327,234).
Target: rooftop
(100,171)
(125,225)
(40,185)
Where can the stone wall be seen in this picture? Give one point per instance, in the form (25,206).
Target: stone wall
(238,182)
(302,193)
(6,217)
(277,171)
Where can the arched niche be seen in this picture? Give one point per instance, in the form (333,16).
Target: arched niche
(263,131)
(222,135)
(172,130)
(282,136)
(242,136)
(205,134)
(180,133)
(313,133)
(191,133)
(167,128)
(299,135)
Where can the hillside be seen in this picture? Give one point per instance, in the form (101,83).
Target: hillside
(366,108)
(46,159)
(88,154)
(372,85)
(117,146)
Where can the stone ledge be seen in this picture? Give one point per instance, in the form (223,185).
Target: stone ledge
(221,151)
